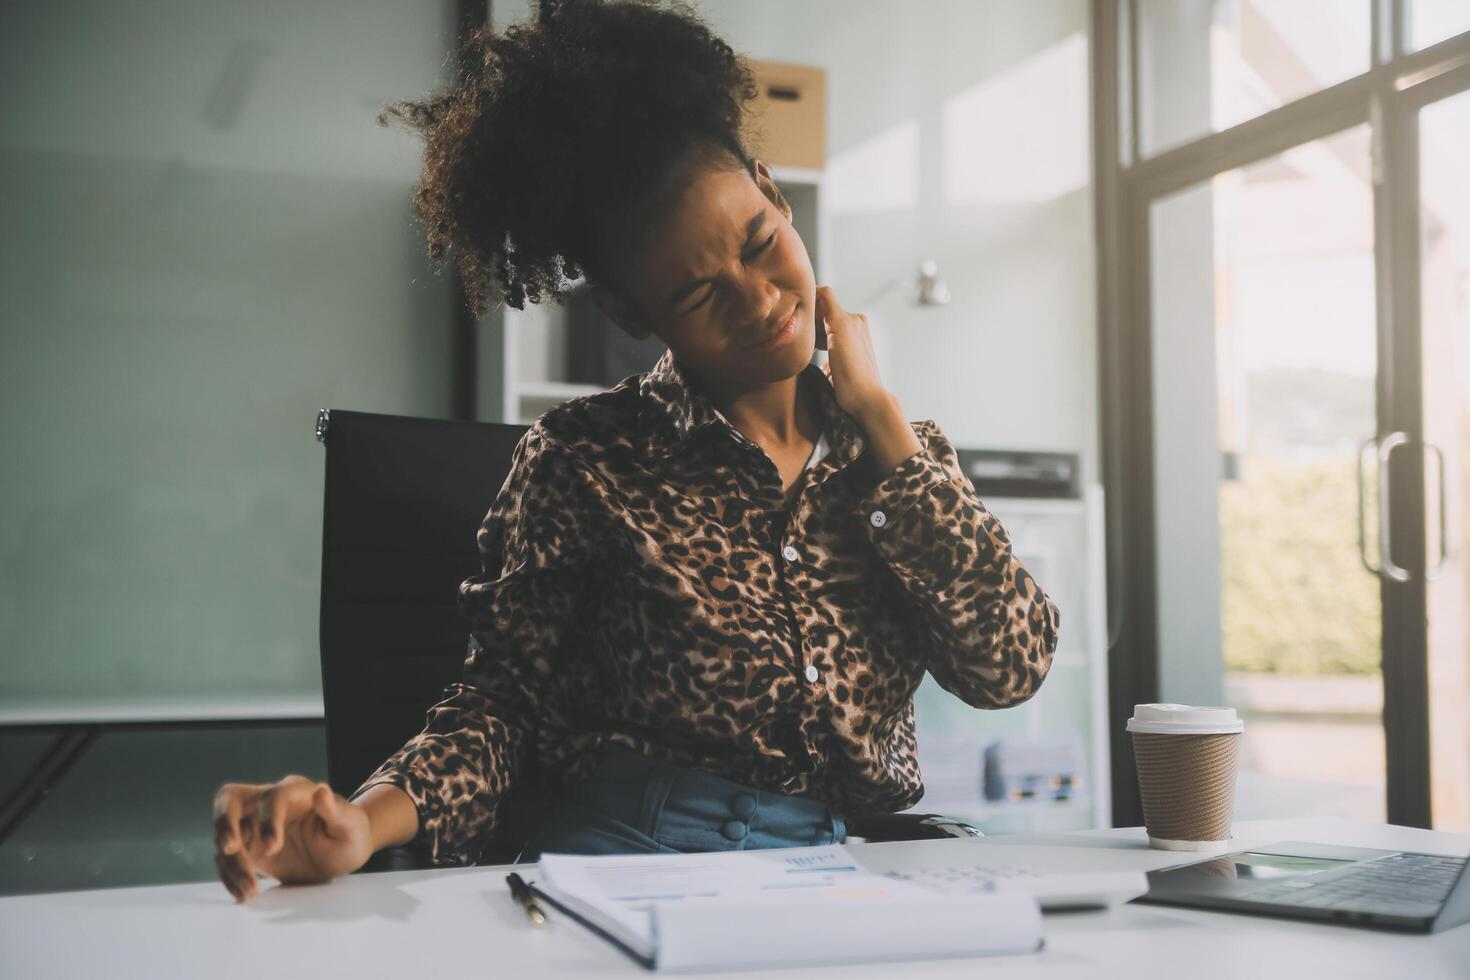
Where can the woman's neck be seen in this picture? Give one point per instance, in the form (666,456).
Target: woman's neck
(772,416)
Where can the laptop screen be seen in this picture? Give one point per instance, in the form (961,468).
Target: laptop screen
(1258,866)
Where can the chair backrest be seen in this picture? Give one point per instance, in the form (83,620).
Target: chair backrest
(404,500)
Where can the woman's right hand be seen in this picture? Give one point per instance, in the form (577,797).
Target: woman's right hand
(295,830)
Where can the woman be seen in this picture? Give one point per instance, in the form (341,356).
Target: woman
(707,595)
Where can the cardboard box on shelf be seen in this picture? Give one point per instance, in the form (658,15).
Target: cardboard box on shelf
(787,122)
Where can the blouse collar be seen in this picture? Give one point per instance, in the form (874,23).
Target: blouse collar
(673,410)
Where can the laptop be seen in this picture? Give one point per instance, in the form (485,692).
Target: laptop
(1353,885)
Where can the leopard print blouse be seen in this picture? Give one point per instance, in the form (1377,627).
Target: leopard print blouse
(645,583)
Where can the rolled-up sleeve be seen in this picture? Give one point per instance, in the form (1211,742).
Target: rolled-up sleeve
(988,629)
(523,612)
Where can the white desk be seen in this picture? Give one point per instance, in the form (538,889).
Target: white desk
(460,922)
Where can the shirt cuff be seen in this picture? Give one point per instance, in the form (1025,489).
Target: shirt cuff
(431,817)
(900,490)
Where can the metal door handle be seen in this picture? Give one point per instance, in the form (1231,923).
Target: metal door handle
(1444,536)
(1362,531)
(1385,545)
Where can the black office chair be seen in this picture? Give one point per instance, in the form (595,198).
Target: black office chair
(404,499)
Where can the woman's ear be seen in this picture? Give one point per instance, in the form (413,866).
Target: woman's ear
(620,310)
(767,184)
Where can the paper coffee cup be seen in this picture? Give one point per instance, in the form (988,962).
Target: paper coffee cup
(1186,758)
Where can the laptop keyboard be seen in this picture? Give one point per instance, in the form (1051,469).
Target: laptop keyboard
(962,879)
(1400,879)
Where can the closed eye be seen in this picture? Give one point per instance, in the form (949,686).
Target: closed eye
(710,290)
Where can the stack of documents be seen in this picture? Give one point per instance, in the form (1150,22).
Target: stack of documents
(778,907)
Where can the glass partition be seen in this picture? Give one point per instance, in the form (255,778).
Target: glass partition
(1444,235)
(207,238)
(1206,65)
(1432,21)
(1265,361)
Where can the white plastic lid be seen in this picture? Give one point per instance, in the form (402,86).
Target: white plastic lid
(1184,719)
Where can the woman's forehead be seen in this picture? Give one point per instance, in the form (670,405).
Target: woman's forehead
(706,224)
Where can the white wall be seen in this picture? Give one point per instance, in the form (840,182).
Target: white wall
(958,131)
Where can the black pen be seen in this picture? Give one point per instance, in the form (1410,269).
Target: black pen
(521,892)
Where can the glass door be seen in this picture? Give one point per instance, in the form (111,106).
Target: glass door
(1284,310)
(1444,301)
(1265,377)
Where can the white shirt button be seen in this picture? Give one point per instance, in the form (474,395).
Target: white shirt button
(877,518)
(811,673)
(789,553)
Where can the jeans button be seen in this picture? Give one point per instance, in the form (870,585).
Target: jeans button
(734,830)
(743,806)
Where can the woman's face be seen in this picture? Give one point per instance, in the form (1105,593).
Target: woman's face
(725,281)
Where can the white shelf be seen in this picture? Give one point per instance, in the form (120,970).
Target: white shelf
(1034,505)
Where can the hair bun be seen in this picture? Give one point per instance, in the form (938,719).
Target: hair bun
(539,160)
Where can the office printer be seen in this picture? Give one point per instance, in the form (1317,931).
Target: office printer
(1020,473)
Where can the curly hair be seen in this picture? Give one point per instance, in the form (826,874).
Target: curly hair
(540,158)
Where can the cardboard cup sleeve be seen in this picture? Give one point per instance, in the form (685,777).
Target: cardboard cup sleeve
(1188,784)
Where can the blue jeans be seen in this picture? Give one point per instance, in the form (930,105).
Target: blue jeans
(631,805)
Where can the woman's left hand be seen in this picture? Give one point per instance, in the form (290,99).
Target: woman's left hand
(853,365)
